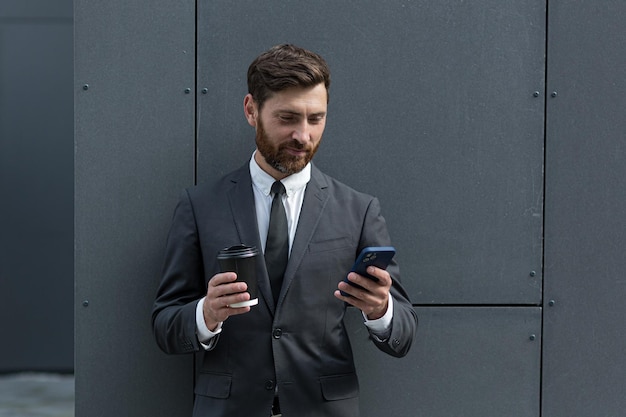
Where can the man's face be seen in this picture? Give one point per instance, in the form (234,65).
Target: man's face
(289,128)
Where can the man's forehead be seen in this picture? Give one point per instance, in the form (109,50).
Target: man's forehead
(295,99)
(297,91)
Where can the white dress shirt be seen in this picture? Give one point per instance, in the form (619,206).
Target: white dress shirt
(295,186)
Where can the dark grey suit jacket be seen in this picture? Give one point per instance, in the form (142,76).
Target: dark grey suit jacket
(301,345)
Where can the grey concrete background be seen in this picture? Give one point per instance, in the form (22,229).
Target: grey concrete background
(36,395)
(36,185)
(460,108)
(582,366)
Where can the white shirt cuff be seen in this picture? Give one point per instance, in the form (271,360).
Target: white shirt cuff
(381,328)
(205,336)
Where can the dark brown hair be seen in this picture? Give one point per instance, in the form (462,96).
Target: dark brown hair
(284,66)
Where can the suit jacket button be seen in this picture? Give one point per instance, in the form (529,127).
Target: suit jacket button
(269,385)
(277,333)
(395,343)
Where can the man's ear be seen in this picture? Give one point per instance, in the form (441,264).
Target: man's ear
(250,109)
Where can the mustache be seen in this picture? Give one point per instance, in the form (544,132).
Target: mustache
(294,144)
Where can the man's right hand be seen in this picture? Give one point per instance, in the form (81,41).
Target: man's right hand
(223,291)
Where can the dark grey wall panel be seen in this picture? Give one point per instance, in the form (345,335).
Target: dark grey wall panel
(36,9)
(465,362)
(584,342)
(134,153)
(36,191)
(432,109)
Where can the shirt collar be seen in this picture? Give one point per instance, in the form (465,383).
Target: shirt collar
(293,183)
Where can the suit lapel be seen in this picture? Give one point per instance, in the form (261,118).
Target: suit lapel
(241,199)
(315,198)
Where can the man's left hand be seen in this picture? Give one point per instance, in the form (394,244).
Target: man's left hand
(373,298)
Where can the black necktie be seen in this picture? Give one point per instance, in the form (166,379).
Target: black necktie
(277,245)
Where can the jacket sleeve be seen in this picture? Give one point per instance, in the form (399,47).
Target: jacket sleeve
(404,322)
(182,284)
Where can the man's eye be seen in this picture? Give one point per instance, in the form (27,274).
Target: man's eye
(316,120)
(286,119)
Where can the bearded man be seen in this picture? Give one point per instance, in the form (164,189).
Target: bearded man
(289,354)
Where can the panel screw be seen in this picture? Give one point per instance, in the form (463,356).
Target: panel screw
(205,90)
(86,87)
(554,94)
(187,90)
(536,94)
(86,303)
(533,273)
(532,337)
(551,303)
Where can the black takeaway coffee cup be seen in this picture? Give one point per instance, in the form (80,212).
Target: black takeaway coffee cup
(241,259)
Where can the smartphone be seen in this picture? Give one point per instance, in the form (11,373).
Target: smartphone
(378,256)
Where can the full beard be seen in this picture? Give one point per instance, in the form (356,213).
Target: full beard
(279,158)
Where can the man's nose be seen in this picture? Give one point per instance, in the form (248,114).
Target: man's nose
(302,132)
